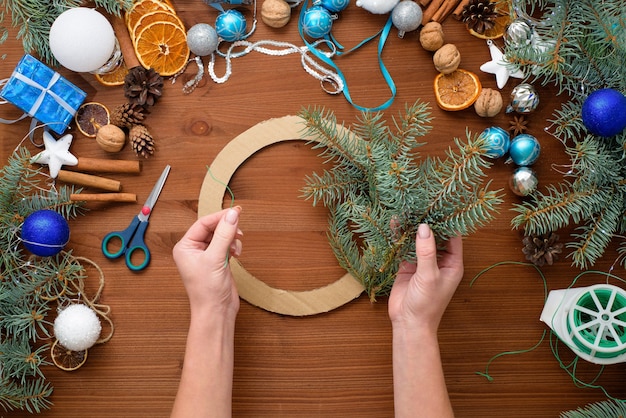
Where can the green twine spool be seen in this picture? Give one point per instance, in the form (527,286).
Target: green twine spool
(597,322)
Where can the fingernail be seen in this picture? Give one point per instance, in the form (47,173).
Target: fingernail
(423,231)
(231,216)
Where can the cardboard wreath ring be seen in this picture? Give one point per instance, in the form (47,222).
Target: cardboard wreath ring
(251,289)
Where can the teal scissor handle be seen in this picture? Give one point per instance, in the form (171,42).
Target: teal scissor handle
(131,241)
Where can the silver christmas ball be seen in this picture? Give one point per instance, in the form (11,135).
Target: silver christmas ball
(524,99)
(406,16)
(202,39)
(523,181)
(518,34)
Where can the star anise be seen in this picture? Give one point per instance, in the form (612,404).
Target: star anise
(519,125)
(143,87)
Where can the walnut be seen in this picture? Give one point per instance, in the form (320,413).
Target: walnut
(111,138)
(275,13)
(431,36)
(489,103)
(447,59)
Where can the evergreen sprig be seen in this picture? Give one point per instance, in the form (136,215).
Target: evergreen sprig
(33,18)
(380,189)
(603,409)
(29,286)
(580,47)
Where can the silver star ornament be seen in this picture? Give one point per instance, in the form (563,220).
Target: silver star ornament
(499,66)
(56,153)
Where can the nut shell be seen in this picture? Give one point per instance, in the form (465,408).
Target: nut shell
(111,138)
(489,103)
(431,36)
(447,58)
(275,13)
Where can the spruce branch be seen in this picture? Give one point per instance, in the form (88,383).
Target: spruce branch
(381,190)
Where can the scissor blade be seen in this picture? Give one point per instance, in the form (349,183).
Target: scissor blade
(146,210)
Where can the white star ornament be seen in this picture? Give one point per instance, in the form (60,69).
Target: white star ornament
(56,153)
(498,66)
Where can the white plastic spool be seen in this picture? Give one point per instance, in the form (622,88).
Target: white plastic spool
(590,320)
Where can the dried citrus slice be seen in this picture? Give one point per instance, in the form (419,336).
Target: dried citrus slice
(143,7)
(115,77)
(155,16)
(457,90)
(500,24)
(66,359)
(90,117)
(162,46)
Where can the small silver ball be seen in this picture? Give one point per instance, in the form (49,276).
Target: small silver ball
(202,39)
(523,181)
(518,34)
(406,16)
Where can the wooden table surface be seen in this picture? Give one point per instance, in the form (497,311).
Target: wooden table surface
(336,364)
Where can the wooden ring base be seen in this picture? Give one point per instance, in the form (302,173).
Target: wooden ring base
(251,289)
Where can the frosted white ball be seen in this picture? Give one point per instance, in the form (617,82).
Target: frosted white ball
(202,39)
(377,7)
(82,39)
(77,327)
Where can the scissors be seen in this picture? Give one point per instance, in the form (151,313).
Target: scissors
(131,239)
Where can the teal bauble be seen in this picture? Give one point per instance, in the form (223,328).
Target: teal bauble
(604,112)
(231,25)
(317,22)
(497,141)
(524,150)
(333,6)
(45,233)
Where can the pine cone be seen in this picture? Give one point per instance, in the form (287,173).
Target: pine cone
(127,115)
(141,141)
(542,249)
(479,15)
(143,87)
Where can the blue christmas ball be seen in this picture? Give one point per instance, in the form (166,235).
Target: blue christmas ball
(604,112)
(497,141)
(524,150)
(333,6)
(45,233)
(317,22)
(231,25)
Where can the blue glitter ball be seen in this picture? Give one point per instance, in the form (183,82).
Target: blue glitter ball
(231,25)
(317,22)
(45,233)
(604,112)
(497,141)
(333,6)
(524,150)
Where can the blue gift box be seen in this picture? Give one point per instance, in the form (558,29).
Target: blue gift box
(43,94)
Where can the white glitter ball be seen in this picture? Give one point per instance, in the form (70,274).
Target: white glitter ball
(77,327)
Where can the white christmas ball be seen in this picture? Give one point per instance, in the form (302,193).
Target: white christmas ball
(77,327)
(202,39)
(82,39)
(377,7)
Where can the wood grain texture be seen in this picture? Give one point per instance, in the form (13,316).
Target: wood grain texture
(336,364)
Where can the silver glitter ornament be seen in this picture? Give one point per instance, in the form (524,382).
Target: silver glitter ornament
(406,17)
(524,99)
(202,39)
(523,181)
(518,34)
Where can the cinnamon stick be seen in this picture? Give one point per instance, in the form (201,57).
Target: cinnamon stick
(126,44)
(89,180)
(459,9)
(104,197)
(423,3)
(106,166)
(430,11)
(446,8)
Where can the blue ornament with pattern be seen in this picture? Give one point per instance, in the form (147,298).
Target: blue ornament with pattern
(524,150)
(604,112)
(45,233)
(333,6)
(317,22)
(497,141)
(231,25)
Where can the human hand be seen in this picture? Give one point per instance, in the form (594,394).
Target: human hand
(422,291)
(201,258)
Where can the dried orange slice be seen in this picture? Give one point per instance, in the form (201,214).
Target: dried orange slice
(65,359)
(155,16)
(90,117)
(115,77)
(162,46)
(143,7)
(457,90)
(500,24)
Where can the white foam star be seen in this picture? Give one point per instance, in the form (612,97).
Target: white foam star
(56,153)
(499,66)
